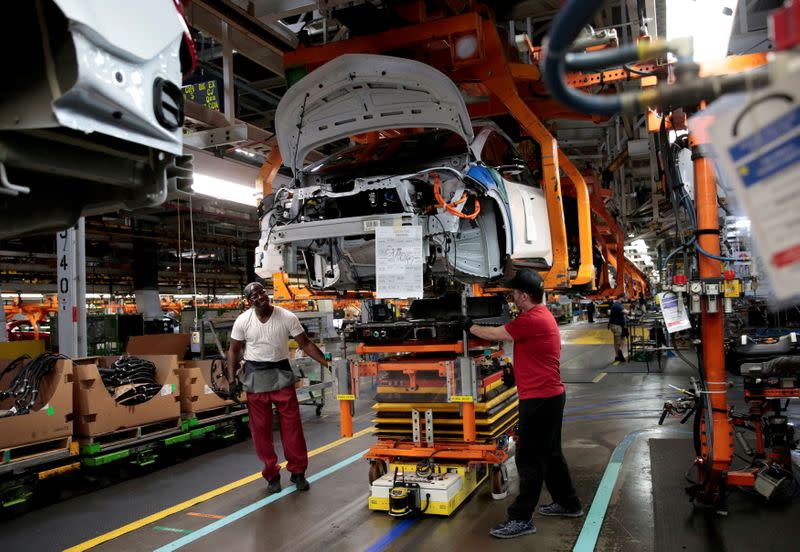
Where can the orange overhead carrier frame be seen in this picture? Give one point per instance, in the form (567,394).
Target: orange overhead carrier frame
(505,88)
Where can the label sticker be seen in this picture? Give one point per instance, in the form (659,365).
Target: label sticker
(345,397)
(50,410)
(461,398)
(166,389)
(371,224)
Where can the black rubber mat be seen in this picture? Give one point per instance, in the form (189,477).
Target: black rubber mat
(751,523)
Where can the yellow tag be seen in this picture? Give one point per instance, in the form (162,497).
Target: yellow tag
(345,397)
(462,398)
(732,288)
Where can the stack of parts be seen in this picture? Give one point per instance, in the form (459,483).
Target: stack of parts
(24,386)
(495,412)
(427,386)
(131,380)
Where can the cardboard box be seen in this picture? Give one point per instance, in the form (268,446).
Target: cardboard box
(51,417)
(197,395)
(96,411)
(159,344)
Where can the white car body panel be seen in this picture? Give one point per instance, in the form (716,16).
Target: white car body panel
(358,93)
(530,224)
(106,49)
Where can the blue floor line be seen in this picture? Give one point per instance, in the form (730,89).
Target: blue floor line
(587,539)
(384,542)
(239,514)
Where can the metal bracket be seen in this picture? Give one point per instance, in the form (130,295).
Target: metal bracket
(216,137)
(429,427)
(415,427)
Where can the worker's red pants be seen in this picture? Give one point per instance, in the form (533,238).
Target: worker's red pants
(259,406)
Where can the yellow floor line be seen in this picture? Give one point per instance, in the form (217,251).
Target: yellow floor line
(600,376)
(111,535)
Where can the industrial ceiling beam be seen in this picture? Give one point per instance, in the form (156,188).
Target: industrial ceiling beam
(248,36)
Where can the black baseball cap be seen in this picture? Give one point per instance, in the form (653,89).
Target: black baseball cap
(528,281)
(252,288)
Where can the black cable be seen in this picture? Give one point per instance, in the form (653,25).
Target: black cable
(135,372)
(233,390)
(299,131)
(24,386)
(630,69)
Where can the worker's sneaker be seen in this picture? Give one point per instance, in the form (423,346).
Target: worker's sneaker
(513,528)
(300,482)
(274,485)
(556,509)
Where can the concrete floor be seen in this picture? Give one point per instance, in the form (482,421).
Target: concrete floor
(601,411)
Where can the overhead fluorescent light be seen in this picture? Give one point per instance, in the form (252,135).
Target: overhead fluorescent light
(224,189)
(23,295)
(708,22)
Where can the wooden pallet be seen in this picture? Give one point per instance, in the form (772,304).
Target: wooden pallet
(133,434)
(220,412)
(34,450)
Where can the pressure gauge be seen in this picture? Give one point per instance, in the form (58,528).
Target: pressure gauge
(696,287)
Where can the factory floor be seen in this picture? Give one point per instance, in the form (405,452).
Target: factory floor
(216,501)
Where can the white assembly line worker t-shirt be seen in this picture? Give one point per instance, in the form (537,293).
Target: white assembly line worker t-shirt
(266,342)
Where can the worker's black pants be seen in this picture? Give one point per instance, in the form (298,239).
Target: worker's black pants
(539,458)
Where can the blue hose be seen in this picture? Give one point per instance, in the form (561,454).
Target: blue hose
(603,58)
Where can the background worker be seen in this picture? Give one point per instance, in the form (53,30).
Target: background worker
(262,333)
(617,323)
(537,372)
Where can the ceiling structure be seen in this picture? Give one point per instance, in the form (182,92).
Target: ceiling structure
(240,44)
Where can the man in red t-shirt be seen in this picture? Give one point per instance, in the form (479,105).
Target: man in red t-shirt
(537,371)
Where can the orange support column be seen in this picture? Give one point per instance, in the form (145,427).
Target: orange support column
(586,269)
(268,171)
(712,323)
(468,421)
(496,76)
(345,419)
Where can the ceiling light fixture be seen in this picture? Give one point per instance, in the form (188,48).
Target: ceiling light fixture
(224,189)
(709,23)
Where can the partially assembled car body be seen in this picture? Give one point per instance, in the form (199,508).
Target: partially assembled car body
(92,112)
(470,191)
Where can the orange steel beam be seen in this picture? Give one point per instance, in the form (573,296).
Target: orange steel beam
(468,421)
(585,80)
(705,188)
(599,208)
(733,64)
(411,366)
(470,452)
(406,347)
(268,171)
(496,75)
(586,269)
(393,39)
(345,419)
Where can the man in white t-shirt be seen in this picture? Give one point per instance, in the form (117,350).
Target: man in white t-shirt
(262,333)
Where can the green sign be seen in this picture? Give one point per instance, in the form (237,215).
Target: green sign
(207,93)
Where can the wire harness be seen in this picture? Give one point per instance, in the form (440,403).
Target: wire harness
(24,386)
(131,380)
